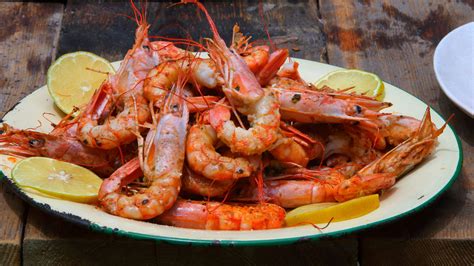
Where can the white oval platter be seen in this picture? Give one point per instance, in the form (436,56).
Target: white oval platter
(412,192)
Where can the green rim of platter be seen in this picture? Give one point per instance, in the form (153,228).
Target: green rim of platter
(268,242)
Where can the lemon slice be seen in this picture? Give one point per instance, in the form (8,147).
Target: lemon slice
(57,179)
(363,83)
(320,213)
(73,78)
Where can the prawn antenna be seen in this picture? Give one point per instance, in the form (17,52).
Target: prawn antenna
(265,25)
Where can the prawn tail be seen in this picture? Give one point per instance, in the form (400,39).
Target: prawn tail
(276,60)
(362,185)
(123,176)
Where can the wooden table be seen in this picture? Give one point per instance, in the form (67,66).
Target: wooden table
(395,39)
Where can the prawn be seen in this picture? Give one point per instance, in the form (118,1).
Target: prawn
(409,153)
(240,85)
(219,216)
(27,143)
(259,60)
(294,146)
(199,185)
(317,107)
(380,174)
(391,129)
(162,166)
(299,102)
(159,80)
(322,186)
(246,95)
(264,126)
(204,160)
(96,126)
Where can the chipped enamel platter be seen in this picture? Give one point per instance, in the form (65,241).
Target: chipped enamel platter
(411,193)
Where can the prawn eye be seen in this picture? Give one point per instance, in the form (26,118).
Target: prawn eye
(36,143)
(296,98)
(358,109)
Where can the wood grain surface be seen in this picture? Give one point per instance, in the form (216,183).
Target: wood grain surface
(395,39)
(28,37)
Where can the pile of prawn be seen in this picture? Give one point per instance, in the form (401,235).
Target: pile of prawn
(227,142)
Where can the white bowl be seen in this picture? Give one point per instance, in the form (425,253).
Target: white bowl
(453,62)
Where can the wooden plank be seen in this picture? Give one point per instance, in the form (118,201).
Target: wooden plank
(399,251)
(110,35)
(12,211)
(396,40)
(342,251)
(28,38)
(51,240)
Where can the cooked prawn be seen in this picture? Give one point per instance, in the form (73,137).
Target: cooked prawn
(204,160)
(264,126)
(219,216)
(378,175)
(323,187)
(124,90)
(28,143)
(162,166)
(199,185)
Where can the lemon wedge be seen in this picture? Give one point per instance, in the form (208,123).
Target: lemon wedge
(321,213)
(57,179)
(74,77)
(361,82)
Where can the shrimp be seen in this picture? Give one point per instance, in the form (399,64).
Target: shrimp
(340,140)
(318,107)
(409,153)
(323,186)
(159,80)
(124,175)
(275,61)
(256,57)
(114,131)
(246,95)
(288,150)
(162,77)
(199,185)
(299,102)
(264,126)
(295,146)
(27,143)
(219,216)
(380,174)
(204,160)
(240,85)
(391,129)
(97,127)
(290,70)
(333,144)
(162,166)
(259,60)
